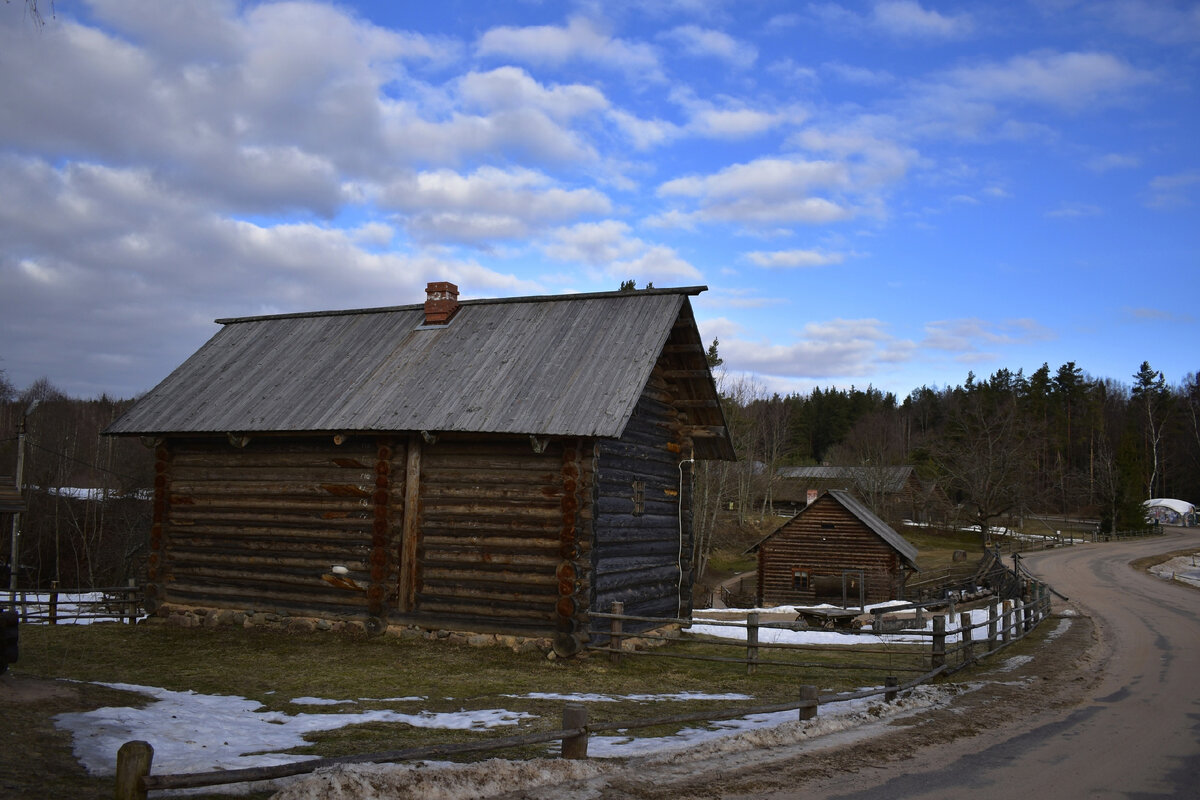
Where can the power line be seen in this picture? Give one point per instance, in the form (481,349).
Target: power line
(82,462)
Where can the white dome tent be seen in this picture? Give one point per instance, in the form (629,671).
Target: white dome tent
(1166,511)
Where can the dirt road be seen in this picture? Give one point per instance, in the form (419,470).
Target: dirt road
(1109,707)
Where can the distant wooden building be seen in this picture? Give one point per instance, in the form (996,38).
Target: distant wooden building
(500,466)
(834,549)
(11,499)
(895,492)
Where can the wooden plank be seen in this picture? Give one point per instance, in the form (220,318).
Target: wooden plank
(410,526)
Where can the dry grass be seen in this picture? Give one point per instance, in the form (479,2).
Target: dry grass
(273,668)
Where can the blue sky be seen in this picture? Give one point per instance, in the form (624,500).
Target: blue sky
(890,193)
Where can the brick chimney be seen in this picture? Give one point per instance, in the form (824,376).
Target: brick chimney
(441,301)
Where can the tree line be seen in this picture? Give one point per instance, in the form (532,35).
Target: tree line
(1055,441)
(87,518)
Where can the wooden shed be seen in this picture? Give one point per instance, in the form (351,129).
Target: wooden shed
(834,551)
(503,466)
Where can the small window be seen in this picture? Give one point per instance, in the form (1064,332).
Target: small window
(639,498)
(800,580)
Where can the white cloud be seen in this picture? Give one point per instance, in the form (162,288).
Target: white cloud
(593,243)
(525,134)
(513,88)
(655,263)
(789,259)
(706,42)
(645,133)
(766,191)
(581,40)
(487,204)
(839,348)
(607,245)
(732,123)
(861,76)
(1156,20)
(908,19)
(1071,81)
(897,19)
(964,336)
(143,257)
(1110,161)
(1070,210)
(1143,314)
(1172,191)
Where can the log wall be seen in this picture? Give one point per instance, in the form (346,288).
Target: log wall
(258,527)
(645,560)
(504,532)
(825,540)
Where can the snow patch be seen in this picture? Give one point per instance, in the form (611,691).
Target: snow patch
(193,732)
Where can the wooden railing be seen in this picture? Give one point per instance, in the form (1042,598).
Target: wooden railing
(71,606)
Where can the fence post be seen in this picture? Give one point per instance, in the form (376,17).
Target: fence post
(891,681)
(133,764)
(993,617)
(575,716)
(964,625)
(1027,615)
(614,641)
(752,643)
(52,610)
(131,595)
(1006,631)
(938,652)
(808,702)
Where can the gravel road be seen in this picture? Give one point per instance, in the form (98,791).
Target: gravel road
(1108,707)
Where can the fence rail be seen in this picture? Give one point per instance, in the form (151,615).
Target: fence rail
(1006,623)
(70,606)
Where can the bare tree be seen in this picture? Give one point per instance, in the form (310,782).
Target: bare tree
(985,457)
(1150,395)
(34,9)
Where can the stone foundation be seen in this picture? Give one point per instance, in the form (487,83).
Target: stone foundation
(201,617)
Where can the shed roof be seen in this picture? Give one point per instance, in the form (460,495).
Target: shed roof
(868,518)
(562,365)
(1178,506)
(887,478)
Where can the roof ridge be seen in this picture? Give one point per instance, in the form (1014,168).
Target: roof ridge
(543,298)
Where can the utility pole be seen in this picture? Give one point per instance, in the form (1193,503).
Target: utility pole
(15,560)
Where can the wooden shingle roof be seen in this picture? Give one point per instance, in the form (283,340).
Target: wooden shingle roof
(887,479)
(563,365)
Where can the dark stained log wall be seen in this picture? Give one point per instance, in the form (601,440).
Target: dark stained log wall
(825,540)
(256,528)
(503,530)
(644,561)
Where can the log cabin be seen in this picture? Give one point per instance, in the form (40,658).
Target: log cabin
(495,466)
(835,550)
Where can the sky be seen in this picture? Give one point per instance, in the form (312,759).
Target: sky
(891,193)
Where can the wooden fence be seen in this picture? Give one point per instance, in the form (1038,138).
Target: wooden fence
(68,606)
(1007,622)
(950,648)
